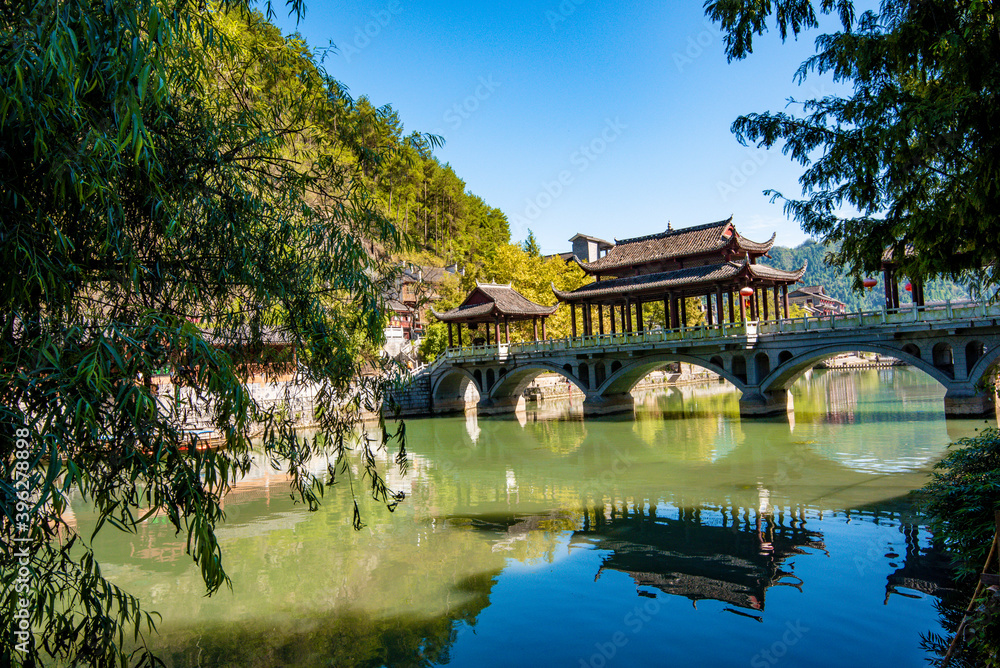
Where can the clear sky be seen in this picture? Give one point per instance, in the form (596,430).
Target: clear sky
(608,119)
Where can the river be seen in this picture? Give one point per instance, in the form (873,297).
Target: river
(682,536)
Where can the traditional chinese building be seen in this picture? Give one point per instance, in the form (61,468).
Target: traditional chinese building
(815,301)
(491,305)
(890,268)
(711,262)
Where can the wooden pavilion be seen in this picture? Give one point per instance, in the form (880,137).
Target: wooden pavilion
(491,304)
(712,261)
(890,280)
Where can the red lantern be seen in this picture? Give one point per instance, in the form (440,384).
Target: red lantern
(746,292)
(869,283)
(909,287)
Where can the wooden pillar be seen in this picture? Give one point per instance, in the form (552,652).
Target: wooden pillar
(543,328)
(784,296)
(451,341)
(486,326)
(600,319)
(572,318)
(732,307)
(743,309)
(628,315)
(777,304)
(587,329)
(763,299)
(666,312)
(496,330)
(895,291)
(459,335)
(887,285)
(708,309)
(611,317)
(638,316)
(684,311)
(506,329)
(918,291)
(719,308)
(534,326)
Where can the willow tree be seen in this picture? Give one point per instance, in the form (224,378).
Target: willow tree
(179,185)
(910,159)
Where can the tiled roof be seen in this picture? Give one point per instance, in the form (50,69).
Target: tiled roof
(678,279)
(673,244)
(503,301)
(755,246)
(815,291)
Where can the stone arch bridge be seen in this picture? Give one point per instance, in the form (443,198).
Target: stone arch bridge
(954,344)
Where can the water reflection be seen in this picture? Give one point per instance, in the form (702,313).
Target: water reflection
(540,527)
(733,555)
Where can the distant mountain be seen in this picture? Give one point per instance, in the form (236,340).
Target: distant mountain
(838,284)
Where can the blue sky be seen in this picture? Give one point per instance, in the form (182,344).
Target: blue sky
(608,119)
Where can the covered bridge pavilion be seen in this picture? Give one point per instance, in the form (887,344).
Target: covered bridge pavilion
(490,304)
(711,262)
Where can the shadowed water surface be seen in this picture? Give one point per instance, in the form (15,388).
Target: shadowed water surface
(684,536)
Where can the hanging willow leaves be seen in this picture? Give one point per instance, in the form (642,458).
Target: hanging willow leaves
(184,191)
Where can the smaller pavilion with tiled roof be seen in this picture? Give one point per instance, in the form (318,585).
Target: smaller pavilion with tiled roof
(490,303)
(708,262)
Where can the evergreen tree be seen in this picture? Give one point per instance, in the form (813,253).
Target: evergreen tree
(914,149)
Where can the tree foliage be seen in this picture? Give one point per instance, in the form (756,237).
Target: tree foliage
(961,499)
(181,187)
(913,150)
(837,282)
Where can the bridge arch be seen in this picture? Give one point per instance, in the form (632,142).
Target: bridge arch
(452,385)
(782,377)
(982,365)
(623,379)
(516,380)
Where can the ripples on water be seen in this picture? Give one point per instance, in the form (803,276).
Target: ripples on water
(684,536)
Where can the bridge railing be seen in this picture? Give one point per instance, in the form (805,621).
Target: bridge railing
(726,330)
(947,311)
(744,332)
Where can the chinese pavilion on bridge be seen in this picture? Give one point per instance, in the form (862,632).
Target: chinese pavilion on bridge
(713,262)
(490,304)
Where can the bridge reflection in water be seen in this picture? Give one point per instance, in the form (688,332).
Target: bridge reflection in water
(551,530)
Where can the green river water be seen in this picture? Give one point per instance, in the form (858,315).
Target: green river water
(682,536)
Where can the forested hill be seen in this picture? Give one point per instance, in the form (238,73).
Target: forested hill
(838,283)
(424,197)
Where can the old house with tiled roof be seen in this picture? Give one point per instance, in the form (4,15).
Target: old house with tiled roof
(713,262)
(814,300)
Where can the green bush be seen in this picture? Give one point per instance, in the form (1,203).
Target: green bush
(962,497)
